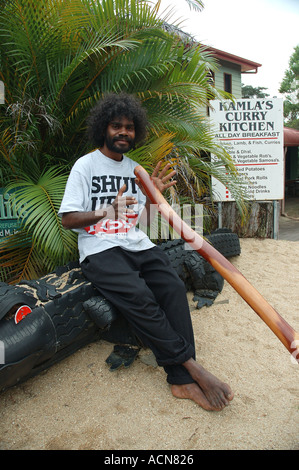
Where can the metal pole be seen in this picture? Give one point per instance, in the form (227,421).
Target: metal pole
(219,214)
(275,219)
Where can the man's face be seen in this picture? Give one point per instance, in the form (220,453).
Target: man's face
(120,135)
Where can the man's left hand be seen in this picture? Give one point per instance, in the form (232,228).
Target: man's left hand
(162,180)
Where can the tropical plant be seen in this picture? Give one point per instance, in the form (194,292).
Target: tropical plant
(290,89)
(249,91)
(57,58)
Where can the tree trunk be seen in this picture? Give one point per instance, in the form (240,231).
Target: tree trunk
(259,222)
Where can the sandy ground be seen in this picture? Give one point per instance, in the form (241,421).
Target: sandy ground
(79,404)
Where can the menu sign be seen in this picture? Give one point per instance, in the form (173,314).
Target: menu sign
(251,130)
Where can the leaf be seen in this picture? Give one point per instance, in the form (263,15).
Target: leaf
(197,5)
(38,205)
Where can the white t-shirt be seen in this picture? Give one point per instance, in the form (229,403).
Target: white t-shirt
(94,181)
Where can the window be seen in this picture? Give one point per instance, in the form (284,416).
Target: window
(227,82)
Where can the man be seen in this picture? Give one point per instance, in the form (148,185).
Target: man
(104,202)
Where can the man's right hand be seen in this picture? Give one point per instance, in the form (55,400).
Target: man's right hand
(119,208)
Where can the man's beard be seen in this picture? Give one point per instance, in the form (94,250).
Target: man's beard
(114,146)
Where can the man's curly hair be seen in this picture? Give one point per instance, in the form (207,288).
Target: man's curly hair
(108,108)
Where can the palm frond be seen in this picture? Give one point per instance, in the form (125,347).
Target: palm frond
(19,258)
(37,205)
(57,58)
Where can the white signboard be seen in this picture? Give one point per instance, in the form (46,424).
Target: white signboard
(251,130)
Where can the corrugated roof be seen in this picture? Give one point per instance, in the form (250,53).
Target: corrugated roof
(290,137)
(246,65)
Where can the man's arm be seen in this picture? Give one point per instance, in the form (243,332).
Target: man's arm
(72,220)
(117,210)
(162,181)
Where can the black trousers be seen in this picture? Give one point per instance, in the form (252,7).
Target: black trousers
(147,291)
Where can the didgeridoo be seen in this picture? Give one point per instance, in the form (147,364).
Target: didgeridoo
(285,333)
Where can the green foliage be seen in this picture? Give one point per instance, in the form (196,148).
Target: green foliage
(249,91)
(290,88)
(57,58)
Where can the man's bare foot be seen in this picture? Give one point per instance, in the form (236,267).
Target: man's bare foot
(192,392)
(218,393)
